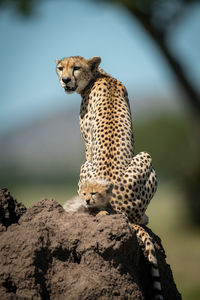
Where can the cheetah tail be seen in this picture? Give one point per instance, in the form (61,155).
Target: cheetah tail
(156,282)
(143,236)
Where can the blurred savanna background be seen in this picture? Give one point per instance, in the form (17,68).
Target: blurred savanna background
(153,47)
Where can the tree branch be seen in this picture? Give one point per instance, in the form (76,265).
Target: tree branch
(158,37)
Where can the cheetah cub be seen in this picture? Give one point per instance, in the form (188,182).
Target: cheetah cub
(94,197)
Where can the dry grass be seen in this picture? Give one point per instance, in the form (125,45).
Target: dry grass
(169,219)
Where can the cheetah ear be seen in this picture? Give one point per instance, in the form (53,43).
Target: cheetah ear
(94,62)
(57,61)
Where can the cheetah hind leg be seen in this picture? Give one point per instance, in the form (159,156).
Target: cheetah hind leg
(143,236)
(140,185)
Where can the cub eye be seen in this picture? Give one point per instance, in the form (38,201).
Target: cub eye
(76,68)
(60,68)
(84,194)
(93,193)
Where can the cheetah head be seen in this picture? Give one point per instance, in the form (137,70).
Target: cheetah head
(75,72)
(96,193)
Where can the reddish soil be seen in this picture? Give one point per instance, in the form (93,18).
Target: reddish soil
(47,253)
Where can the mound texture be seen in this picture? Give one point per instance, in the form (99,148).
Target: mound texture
(47,253)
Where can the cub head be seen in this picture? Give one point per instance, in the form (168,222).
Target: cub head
(96,193)
(75,72)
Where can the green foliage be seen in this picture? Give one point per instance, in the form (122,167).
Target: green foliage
(23,7)
(166,138)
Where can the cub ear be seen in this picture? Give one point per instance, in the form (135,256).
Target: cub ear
(83,183)
(94,62)
(57,61)
(109,187)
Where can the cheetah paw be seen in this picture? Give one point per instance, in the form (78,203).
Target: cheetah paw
(102,213)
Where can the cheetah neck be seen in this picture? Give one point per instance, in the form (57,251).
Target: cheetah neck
(99,73)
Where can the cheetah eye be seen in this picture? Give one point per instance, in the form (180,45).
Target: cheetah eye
(60,68)
(76,68)
(93,193)
(84,194)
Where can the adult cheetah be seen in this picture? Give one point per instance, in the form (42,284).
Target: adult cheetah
(106,126)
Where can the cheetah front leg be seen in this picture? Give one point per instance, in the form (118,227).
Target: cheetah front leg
(86,173)
(88,153)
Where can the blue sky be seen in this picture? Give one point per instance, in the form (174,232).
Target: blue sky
(29,86)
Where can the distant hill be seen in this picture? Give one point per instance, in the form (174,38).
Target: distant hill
(54,145)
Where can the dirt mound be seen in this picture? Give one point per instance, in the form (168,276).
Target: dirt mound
(10,209)
(51,254)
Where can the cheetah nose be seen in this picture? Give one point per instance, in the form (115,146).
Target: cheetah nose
(88,201)
(66,80)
